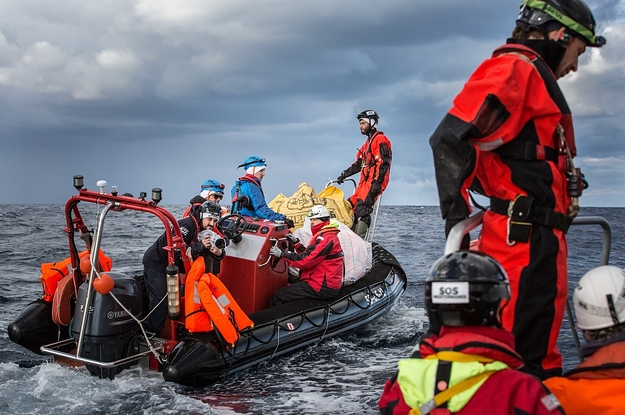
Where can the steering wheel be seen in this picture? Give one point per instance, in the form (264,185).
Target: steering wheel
(234,228)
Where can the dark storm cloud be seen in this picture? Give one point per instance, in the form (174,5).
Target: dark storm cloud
(150,93)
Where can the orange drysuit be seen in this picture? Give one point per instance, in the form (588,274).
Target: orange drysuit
(373,161)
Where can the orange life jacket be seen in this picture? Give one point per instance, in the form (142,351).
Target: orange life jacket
(53,272)
(595,386)
(208,304)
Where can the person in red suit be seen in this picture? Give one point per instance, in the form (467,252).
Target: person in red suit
(509,137)
(373,161)
(470,366)
(320,264)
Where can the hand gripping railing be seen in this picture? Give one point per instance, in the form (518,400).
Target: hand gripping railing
(457,233)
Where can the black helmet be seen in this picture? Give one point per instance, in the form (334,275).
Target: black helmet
(464,289)
(368,114)
(572,14)
(211,210)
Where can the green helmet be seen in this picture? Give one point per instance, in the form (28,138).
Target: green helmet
(572,14)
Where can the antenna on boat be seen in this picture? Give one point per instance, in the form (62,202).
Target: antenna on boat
(101,184)
(114,190)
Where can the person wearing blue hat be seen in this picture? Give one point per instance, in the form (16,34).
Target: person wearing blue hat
(212,191)
(250,186)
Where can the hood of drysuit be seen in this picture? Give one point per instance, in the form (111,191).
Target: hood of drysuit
(196,212)
(551,51)
(490,342)
(327,225)
(197,199)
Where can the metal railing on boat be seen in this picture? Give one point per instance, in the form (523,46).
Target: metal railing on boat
(54,348)
(374,215)
(457,233)
(374,220)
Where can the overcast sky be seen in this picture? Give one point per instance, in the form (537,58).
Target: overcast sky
(168,93)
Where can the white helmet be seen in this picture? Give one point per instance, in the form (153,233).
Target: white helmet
(318,212)
(599,298)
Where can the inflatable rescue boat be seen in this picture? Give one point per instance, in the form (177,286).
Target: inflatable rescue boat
(91,314)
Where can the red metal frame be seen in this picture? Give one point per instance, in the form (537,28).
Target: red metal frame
(75,222)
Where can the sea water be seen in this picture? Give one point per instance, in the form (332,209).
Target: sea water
(343,375)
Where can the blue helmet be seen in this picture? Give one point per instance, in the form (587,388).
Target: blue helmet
(212,186)
(253,161)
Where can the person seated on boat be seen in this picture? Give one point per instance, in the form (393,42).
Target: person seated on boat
(211,190)
(469,367)
(597,385)
(155,261)
(250,186)
(320,265)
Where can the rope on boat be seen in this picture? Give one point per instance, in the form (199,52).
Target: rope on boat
(154,351)
(277,343)
(280,325)
(327,317)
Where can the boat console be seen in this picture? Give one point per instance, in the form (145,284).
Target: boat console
(248,271)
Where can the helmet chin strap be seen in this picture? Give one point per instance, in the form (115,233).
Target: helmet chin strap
(612,309)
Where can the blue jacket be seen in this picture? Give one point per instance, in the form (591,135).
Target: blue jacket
(250,186)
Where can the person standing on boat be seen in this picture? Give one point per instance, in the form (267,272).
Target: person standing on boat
(373,162)
(155,261)
(469,367)
(509,136)
(320,265)
(211,190)
(249,185)
(597,385)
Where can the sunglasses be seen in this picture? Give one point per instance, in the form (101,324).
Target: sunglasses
(217,196)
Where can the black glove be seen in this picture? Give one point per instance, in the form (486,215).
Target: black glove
(289,223)
(340,179)
(275,251)
(291,238)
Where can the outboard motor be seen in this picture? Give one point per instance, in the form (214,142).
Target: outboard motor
(110,333)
